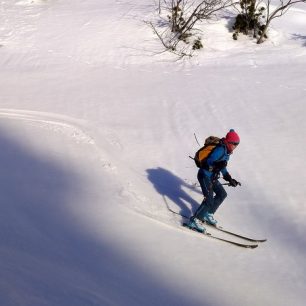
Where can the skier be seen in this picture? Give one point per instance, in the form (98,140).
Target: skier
(208,177)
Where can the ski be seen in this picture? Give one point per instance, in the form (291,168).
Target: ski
(209,235)
(220,228)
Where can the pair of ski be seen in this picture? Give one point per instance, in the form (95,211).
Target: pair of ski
(252,245)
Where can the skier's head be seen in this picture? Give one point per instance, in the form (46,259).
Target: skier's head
(231,140)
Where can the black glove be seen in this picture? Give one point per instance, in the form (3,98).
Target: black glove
(232,182)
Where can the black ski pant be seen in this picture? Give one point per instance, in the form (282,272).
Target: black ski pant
(213,192)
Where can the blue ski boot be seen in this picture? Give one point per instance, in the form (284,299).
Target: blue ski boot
(209,218)
(195,224)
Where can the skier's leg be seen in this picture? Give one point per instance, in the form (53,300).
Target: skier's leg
(220,195)
(207,190)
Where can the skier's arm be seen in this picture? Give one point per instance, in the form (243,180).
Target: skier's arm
(215,161)
(224,172)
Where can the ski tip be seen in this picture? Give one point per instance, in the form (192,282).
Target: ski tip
(252,246)
(261,240)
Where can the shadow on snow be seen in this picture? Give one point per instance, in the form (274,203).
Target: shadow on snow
(172,187)
(47,258)
(300,37)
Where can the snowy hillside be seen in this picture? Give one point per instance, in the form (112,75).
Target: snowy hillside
(95,135)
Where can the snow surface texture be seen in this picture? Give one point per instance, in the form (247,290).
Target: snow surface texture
(95,135)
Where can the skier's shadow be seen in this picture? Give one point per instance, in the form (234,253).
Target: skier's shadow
(171,187)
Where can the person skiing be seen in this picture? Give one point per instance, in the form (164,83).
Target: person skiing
(208,176)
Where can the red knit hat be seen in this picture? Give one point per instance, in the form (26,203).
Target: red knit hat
(232,137)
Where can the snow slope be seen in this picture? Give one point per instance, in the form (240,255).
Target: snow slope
(95,135)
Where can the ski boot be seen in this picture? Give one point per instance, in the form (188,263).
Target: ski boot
(209,218)
(195,224)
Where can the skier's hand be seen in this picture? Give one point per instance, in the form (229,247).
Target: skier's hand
(234,183)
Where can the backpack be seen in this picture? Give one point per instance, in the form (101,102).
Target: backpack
(202,154)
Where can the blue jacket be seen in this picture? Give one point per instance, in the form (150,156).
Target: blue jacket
(220,153)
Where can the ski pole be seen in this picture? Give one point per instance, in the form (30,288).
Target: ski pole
(195,136)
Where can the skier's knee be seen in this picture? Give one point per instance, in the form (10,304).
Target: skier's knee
(223,195)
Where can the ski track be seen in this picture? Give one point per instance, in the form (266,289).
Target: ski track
(67,126)
(76,130)
(53,122)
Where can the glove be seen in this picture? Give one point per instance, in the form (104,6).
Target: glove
(232,182)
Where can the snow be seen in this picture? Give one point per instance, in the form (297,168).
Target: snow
(95,135)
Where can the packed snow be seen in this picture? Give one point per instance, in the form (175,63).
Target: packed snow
(96,126)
